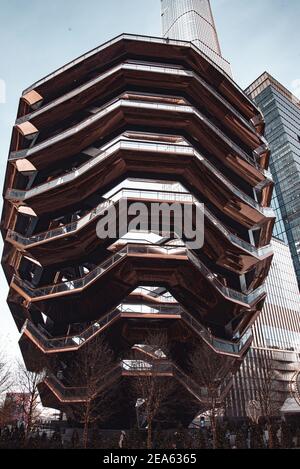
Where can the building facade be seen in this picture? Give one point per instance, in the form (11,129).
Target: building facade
(281,110)
(276,342)
(276,331)
(192,20)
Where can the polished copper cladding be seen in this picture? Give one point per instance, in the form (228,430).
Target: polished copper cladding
(148,111)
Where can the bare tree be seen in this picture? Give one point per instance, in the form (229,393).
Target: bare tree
(28,395)
(265,387)
(5,383)
(6,413)
(5,375)
(150,360)
(207,371)
(96,371)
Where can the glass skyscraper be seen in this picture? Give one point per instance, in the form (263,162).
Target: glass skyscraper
(282,115)
(277,330)
(192,20)
(279,228)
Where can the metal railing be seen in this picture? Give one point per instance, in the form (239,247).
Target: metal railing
(78,393)
(77,225)
(151,292)
(222,346)
(76,341)
(110,149)
(183,197)
(134,368)
(159,68)
(121,102)
(136,249)
(201,392)
(153,40)
(226,291)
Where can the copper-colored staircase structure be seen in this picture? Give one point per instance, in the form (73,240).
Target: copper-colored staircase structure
(160,112)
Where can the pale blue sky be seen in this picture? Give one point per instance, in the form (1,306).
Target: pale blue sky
(38,36)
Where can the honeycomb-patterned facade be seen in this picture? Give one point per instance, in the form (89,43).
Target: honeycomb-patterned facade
(141,119)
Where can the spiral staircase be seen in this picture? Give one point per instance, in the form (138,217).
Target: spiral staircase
(143,120)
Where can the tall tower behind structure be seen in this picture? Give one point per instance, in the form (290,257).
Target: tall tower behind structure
(192,20)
